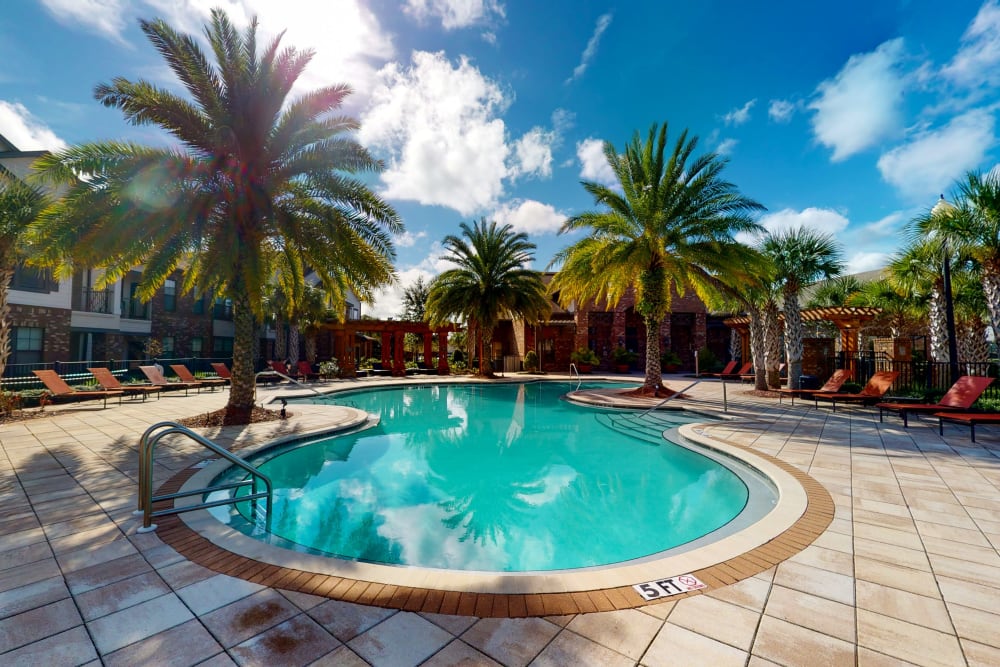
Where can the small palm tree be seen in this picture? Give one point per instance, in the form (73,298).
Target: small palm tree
(20,204)
(490,282)
(800,256)
(671,228)
(259,185)
(900,308)
(917,271)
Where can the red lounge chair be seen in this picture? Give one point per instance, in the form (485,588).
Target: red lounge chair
(752,377)
(725,371)
(870,394)
(109,382)
(185,375)
(58,389)
(222,371)
(154,376)
(306,372)
(960,397)
(970,419)
(280,367)
(832,386)
(746,368)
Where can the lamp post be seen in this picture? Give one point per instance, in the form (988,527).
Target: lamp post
(945,208)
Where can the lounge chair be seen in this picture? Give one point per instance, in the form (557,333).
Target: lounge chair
(960,397)
(58,389)
(154,376)
(832,386)
(186,376)
(970,419)
(870,394)
(725,371)
(223,372)
(109,382)
(752,377)
(744,369)
(280,368)
(306,372)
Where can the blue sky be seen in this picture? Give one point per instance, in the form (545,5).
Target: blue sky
(847,117)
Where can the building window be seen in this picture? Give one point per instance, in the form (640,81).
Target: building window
(31,279)
(548,348)
(27,345)
(223,309)
(170,296)
(222,347)
(196,344)
(168,345)
(199,302)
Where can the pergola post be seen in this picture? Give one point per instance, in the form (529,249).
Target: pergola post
(443,352)
(428,349)
(387,349)
(398,365)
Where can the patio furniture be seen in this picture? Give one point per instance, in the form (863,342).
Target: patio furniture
(961,396)
(186,376)
(728,369)
(970,419)
(58,389)
(751,377)
(222,371)
(378,370)
(744,369)
(870,394)
(832,386)
(154,376)
(306,372)
(280,368)
(109,382)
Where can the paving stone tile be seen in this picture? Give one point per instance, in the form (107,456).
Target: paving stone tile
(569,648)
(789,644)
(749,593)
(29,573)
(342,656)
(717,620)
(980,655)
(812,612)
(891,553)
(627,631)
(975,624)
(511,641)
(185,644)
(919,609)
(459,654)
(823,583)
(381,646)
(120,595)
(29,553)
(102,574)
(38,623)
(297,641)
(249,616)
(676,645)
(137,623)
(346,620)
(72,647)
(184,573)
(218,660)
(907,641)
(37,594)
(214,592)
(456,625)
(303,601)
(870,658)
(894,576)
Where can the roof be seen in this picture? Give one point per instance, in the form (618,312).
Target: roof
(836,314)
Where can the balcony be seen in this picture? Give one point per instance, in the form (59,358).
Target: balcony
(134,309)
(94,301)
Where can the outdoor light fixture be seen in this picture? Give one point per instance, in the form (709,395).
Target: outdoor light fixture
(945,208)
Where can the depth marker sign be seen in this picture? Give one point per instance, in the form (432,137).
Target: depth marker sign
(652,590)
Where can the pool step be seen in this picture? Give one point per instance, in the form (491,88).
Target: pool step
(647,429)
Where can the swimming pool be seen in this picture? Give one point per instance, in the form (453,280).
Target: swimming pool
(495,478)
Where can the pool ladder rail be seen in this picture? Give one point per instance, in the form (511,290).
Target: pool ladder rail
(147,446)
(644,425)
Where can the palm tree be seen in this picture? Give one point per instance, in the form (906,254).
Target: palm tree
(20,204)
(670,228)
(259,185)
(900,308)
(973,226)
(917,270)
(311,311)
(801,256)
(490,282)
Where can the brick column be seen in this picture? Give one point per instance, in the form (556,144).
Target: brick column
(398,365)
(386,350)
(443,353)
(428,349)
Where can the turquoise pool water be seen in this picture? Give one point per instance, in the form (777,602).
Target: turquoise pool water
(492,478)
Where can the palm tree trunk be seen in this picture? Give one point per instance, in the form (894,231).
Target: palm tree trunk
(991,288)
(735,344)
(758,348)
(654,377)
(311,346)
(280,346)
(6,274)
(793,338)
(938,326)
(772,344)
(241,393)
(293,343)
(973,346)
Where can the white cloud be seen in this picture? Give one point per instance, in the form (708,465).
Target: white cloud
(977,62)
(530,216)
(726,146)
(861,105)
(860,262)
(26,132)
(822,220)
(740,115)
(389,302)
(408,239)
(930,163)
(437,125)
(456,13)
(588,53)
(594,165)
(780,111)
(534,153)
(886,226)
(105,17)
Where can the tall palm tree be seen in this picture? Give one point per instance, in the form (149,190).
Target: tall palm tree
(900,308)
(311,311)
(801,256)
(917,270)
(491,281)
(973,225)
(20,204)
(670,228)
(258,185)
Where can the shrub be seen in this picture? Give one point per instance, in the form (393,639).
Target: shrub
(457,357)
(459,367)
(329,369)
(584,356)
(531,360)
(669,358)
(707,361)
(622,356)
(850,388)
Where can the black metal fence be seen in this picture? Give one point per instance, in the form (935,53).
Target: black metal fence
(916,377)
(17,377)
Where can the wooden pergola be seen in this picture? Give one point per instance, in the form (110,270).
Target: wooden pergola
(392,334)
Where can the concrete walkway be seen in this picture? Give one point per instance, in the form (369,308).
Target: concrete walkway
(907,573)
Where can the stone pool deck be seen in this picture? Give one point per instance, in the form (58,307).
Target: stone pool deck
(908,572)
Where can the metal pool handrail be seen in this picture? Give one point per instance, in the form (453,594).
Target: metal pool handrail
(574,370)
(282,375)
(668,398)
(147,445)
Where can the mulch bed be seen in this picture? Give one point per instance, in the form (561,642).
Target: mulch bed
(218,418)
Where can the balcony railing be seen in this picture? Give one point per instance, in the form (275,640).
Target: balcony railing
(134,309)
(95,301)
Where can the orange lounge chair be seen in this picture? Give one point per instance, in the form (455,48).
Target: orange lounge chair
(870,394)
(155,377)
(725,371)
(832,386)
(744,369)
(109,382)
(185,375)
(58,389)
(960,397)
(970,419)
(223,372)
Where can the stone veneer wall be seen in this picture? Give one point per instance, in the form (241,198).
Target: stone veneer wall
(182,323)
(55,322)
